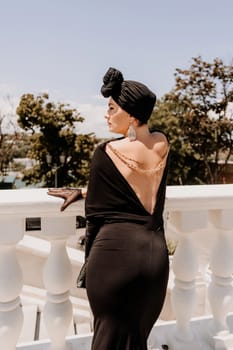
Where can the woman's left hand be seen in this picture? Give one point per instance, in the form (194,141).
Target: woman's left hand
(69,195)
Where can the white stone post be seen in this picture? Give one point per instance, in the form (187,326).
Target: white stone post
(57,279)
(220,290)
(11,281)
(185,268)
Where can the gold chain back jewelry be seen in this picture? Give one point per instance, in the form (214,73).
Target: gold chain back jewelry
(135,167)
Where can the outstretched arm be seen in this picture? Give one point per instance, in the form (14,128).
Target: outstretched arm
(69,195)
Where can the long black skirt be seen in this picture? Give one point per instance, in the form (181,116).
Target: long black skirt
(127,277)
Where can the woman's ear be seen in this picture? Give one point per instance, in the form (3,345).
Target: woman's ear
(133,121)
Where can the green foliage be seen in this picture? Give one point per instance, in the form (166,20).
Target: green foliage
(197,118)
(17,166)
(21,144)
(50,118)
(52,128)
(171,246)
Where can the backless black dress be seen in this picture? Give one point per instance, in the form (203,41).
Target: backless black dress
(127,269)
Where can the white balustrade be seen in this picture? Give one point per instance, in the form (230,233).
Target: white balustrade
(56,227)
(11,282)
(201,217)
(221,264)
(194,212)
(58,279)
(185,268)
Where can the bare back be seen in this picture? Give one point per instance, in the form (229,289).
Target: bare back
(141,163)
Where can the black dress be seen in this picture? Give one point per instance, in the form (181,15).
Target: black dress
(127,270)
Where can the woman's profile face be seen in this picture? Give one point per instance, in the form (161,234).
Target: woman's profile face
(118,120)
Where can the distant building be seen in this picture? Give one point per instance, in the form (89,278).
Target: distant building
(7,182)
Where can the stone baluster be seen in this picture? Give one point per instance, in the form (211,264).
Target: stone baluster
(220,290)
(57,279)
(11,281)
(185,268)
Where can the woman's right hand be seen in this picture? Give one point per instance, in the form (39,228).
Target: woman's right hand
(69,195)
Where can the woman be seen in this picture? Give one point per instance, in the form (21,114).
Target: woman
(127,268)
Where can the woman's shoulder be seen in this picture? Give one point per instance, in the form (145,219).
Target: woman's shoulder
(102,145)
(118,141)
(159,136)
(160,144)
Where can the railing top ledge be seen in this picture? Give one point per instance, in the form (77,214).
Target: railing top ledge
(199,197)
(35,202)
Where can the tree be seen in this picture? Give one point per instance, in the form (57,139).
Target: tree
(61,156)
(204,95)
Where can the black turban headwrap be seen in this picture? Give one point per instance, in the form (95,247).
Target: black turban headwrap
(132,96)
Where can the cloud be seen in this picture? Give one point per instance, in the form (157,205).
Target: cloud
(93,114)
(8,103)
(94,120)
(8,117)
(4,88)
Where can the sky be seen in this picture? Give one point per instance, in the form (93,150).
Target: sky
(64,47)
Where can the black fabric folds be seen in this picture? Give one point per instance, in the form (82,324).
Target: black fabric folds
(134,97)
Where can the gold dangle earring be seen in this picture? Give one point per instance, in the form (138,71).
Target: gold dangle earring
(131,133)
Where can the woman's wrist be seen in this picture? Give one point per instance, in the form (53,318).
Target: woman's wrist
(81,191)
(79,195)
